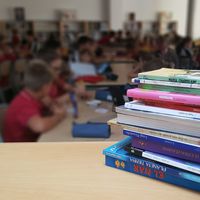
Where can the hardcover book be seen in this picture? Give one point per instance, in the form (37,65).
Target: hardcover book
(174,106)
(167,147)
(165,83)
(140,106)
(178,163)
(178,125)
(173,75)
(155,95)
(117,157)
(170,89)
(162,134)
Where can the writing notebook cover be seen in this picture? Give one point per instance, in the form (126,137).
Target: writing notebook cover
(174,75)
(141,94)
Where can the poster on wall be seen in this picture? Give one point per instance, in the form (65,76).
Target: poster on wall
(19,14)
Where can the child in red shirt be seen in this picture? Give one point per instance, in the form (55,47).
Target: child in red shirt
(60,88)
(24,119)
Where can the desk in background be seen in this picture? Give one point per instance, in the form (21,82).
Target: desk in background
(63,131)
(62,171)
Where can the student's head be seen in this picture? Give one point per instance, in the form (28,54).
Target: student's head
(38,78)
(112,34)
(184,43)
(85,56)
(132,16)
(55,63)
(30,36)
(119,34)
(83,42)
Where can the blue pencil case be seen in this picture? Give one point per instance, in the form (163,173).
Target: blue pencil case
(91,130)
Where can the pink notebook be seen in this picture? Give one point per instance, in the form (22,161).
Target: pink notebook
(141,94)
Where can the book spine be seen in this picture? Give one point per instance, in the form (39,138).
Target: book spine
(114,148)
(172,162)
(140,94)
(165,83)
(156,171)
(166,135)
(170,89)
(146,108)
(173,106)
(165,149)
(161,141)
(174,79)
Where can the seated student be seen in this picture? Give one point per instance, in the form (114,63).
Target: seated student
(185,54)
(61,84)
(24,119)
(83,42)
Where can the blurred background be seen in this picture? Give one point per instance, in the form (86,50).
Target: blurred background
(103,44)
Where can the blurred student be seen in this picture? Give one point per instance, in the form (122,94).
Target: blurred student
(131,25)
(83,42)
(25,120)
(62,80)
(15,37)
(185,54)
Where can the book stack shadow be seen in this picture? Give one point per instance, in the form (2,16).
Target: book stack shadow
(162,125)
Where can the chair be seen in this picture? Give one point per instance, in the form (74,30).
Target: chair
(3,109)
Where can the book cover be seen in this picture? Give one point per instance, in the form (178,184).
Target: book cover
(138,105)
(165,83)
(179,125)
(163,134)
(170,89)
(165,150)
(117,157)
(163,146)
(173,75)
(184,99)
(174,162)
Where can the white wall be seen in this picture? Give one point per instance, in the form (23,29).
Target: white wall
(116,14)
(146,10)
(45,9)
(179,12)
(196,23)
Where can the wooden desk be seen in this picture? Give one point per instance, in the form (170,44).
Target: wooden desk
(74,171)
(62,132)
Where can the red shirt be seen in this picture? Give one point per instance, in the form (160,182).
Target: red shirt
(57,89)
(20,111)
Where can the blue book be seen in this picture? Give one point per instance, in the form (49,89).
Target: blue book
(174,162)
(168,147)
(117,157)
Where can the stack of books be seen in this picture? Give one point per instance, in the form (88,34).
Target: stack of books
(163,128)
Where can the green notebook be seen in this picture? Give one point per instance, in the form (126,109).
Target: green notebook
(172,75)
(170,89)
